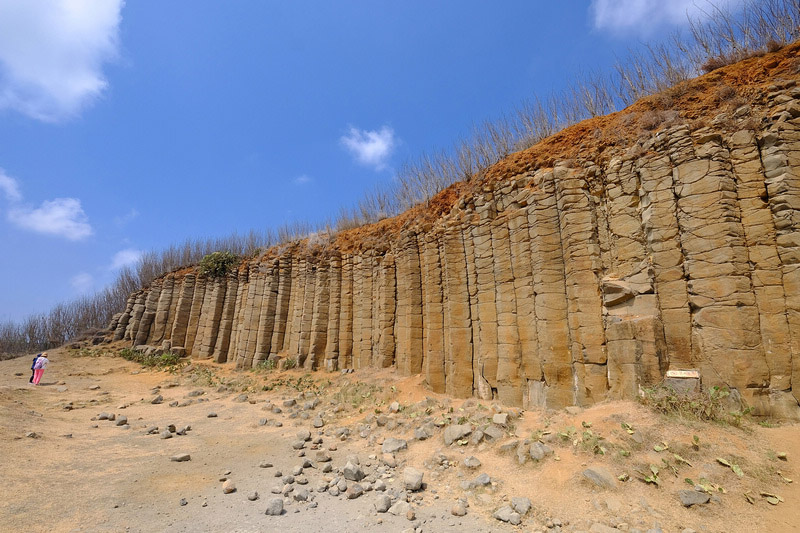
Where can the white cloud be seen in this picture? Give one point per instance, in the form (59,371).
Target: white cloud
(82,282)
(63,217)
(124,258)
(644,16)
(10,187)
(302,180)
(52,53)
(127,217)
(370,148)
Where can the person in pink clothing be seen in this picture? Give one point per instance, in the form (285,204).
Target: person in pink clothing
(38,368)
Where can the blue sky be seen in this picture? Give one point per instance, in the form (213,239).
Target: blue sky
(130,126)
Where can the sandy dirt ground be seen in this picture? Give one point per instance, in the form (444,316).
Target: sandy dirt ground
(63,469)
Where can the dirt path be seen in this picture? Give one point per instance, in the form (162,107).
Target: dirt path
(77,473)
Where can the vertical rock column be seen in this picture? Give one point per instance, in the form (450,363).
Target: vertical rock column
(266,319)
(346,327)
(363,310)
(725,331)
(531,384)
(248,329)
(210,318)
(485,360)
(242,283)
(766,275)
(319,319)
(162,310)
(122,324)
(584,304)
(149,314)
(634,331)
(309,297)
(182,310)
(780,155)
(194,314)
(136,316)
(331,362)
(223,341)
(663,242)
(282,304)
(409,306)
(386,313)
(433,312)
(509,354)
(297,302)
(457,318)
(549,289)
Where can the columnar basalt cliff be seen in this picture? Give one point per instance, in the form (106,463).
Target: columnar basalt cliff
(565,276)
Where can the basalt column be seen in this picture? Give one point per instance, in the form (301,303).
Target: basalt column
(549,289)
(319,319)
(385,317)
(282,304)
(182,310)
(433,312)
(780,155)
(725,332)
(331,362)
(409,306)
(531,384)
(226,321)
(509,350)
(485,360)
(581,264)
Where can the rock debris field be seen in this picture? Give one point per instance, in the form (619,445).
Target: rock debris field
(106,445)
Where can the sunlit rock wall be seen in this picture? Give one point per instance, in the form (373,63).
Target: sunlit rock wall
(564,285)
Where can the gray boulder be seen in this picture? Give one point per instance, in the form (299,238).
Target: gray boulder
(600,477)
(412,479)
(383,503)
(693,497)
(353,472)
(456,432)
(521,505)
(392,445)
(507,514)
(275,507)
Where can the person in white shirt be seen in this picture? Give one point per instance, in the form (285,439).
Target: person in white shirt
(38,368)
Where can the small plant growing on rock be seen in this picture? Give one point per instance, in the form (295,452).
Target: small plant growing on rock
(218,264)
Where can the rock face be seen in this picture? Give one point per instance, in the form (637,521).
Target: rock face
(567,282)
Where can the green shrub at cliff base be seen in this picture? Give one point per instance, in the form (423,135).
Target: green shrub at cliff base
(164,360)
(218,264)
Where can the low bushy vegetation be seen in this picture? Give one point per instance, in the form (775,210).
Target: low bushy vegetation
(720,38)
(161,361)
(218,264)
(712,405)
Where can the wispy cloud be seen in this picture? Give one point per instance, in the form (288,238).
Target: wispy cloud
(52,53)
(370,148)
(10,187)
(126,257)
(122,220)
(82,283)
(645,16)
(302,180)
(63,217)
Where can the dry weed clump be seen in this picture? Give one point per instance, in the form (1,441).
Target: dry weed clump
(716,404)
